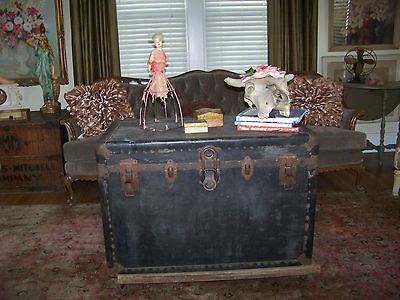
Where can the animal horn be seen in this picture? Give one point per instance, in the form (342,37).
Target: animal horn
(234,82)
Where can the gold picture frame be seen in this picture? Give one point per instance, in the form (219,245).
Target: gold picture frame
(360,23)
(10,58)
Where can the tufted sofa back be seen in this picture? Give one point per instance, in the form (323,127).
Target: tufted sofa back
(195,89)
(321,96)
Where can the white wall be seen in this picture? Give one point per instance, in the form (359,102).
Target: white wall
(32,96)
(371,128)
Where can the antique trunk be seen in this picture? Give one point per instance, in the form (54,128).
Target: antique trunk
(217,205)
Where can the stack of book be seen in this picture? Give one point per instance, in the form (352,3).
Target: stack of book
(248,120)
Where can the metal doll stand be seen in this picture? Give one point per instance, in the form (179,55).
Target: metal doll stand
(155,125)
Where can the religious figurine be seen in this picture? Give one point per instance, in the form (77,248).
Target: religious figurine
(44,70)
(158,86)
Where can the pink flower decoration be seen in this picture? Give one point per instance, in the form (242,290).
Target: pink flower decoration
(2,28)
(18,5)
(17,29)
(10,15)
(12,41)
(263,72)
(36,30)
(32,11)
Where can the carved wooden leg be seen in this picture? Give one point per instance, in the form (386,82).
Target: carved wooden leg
(68,180)
(396,183)
(359,171)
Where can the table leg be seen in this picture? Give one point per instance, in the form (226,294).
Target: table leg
(381,148)
(396,164)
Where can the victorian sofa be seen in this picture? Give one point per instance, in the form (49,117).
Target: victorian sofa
(93,108)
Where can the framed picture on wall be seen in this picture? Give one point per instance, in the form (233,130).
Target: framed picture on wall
(21,20)
(364,23)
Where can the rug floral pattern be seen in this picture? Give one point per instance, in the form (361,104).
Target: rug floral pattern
(57,252)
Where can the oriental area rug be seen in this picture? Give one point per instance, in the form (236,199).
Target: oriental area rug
(57,252)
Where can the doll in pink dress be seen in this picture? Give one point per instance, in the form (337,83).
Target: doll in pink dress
(158,85)
(157,61)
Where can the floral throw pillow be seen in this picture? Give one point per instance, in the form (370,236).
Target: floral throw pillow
(96,106)
(321,97)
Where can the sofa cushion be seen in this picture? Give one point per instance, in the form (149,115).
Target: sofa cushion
(82,149)
(333,159)
(96,106)
(321,97)
(339,139)
(83,168)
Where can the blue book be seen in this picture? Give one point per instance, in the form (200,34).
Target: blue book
(250,115)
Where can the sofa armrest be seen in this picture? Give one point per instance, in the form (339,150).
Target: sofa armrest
(72,127)
(350,117)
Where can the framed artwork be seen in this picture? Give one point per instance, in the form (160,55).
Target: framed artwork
(20,20)
(364,23)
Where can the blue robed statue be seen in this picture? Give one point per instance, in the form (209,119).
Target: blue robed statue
(44,69)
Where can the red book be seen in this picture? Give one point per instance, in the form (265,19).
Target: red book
(266,128)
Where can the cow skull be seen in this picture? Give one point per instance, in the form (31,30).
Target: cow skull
(265,94)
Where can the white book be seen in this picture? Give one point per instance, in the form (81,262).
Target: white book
(267,129)
(250,115)
(263,124)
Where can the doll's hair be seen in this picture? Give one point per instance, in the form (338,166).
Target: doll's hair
(157,36)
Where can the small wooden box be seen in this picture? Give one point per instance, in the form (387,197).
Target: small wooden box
(213,116)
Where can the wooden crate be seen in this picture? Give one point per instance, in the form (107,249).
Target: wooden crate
(31,154)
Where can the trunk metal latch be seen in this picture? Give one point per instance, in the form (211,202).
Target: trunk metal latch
(287,170)
(247,167)
(129,174)
(209,167)
(170,171)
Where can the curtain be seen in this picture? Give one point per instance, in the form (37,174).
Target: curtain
(94,40)
(292,34)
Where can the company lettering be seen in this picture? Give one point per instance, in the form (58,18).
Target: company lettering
(12,178)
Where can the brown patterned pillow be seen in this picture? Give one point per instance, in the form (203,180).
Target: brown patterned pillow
(321,97)
(96,106)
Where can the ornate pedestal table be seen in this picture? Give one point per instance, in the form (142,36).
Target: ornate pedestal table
(377,101)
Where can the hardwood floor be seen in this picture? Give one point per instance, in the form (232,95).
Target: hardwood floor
(374,178)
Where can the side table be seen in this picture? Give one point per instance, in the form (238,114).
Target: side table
(31,154)
(377,101)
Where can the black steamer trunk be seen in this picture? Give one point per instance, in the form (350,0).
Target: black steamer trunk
(207,205)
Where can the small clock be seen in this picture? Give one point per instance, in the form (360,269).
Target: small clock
(3,96)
